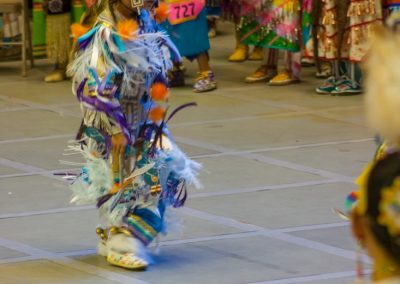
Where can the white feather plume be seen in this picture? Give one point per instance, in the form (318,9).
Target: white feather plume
(177,162)
(99,178)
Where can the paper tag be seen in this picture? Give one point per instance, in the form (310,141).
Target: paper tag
(183,11)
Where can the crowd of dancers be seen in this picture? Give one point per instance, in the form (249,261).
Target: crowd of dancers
(330,34)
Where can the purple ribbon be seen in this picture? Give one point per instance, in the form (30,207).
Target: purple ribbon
(99,103)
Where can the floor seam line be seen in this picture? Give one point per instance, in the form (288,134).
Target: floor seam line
(267,160)
(69,262)
(294,240)
(191,196)
(314,277)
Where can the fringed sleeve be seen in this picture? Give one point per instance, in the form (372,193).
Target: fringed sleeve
(92,62)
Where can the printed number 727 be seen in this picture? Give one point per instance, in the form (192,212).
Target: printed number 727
(185,10)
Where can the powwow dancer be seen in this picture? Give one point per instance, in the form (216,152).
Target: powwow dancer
(374,207)
(134,170)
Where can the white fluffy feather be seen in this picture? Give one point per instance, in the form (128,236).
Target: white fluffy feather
(99,175)
(177,162)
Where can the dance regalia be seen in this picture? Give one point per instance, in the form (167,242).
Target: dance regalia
(343,39)
(232,10)
(353,19)
(331,25)
(277,23)
(359,203)
(120,80)
(362,16)
(382,151)
(188,31)
(381,99)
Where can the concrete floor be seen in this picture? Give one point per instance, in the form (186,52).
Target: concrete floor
(276,160)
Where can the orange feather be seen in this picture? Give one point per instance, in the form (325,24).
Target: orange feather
(78,30)
(162,12)
(159,92)
(156,114)
(127,29)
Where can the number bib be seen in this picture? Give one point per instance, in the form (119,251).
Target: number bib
(183,11)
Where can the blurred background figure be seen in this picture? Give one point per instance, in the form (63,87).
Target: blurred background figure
(232,10)
(343,41)
(375,220)
(189,32)
(51,32)
(277,25)
(375,214)
(213,14)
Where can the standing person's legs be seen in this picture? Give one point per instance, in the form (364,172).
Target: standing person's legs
(58,45)
(349,83)
(203,62)
(294,64)
(191,39)
(268,68)
(354,44)
(212,26)
(333,22)
(213,14)
(241,51)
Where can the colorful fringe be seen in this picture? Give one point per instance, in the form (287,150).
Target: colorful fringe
(328,45)
(363,15)
(144,224)
(276,23)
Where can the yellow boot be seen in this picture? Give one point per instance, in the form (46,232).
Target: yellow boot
(283,78)
(262,74)
(257,54)
(241,51)
(239,54)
